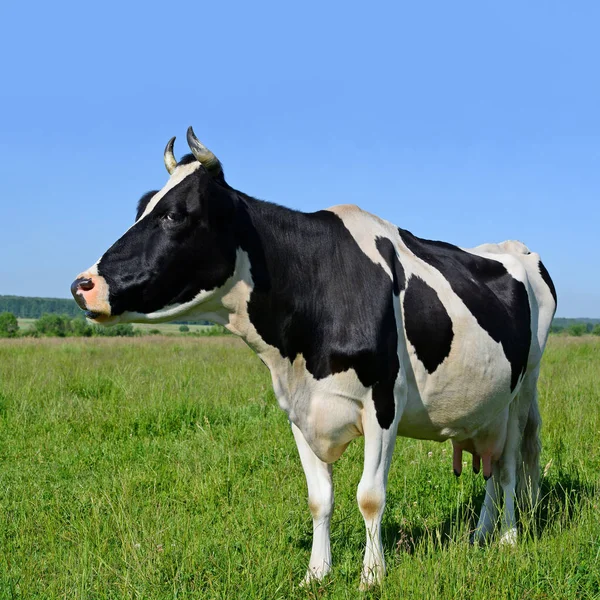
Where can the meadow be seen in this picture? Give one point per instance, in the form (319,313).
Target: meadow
(161,467)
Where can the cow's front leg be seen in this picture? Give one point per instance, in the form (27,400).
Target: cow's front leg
(320,502)
(379,447)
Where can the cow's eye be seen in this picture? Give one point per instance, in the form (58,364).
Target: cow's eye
(173,217)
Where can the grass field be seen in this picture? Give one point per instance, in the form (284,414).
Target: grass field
(25,324)
(162,467)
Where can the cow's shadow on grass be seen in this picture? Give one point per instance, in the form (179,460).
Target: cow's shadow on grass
(560,501)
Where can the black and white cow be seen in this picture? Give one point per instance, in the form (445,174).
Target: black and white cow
(365,328)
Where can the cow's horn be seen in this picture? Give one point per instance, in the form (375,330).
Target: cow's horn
(210,162)
(170,160)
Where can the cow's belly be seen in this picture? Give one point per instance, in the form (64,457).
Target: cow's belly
(463,396)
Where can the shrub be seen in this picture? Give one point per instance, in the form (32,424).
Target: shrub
(212,331)
(53,325)
(9,326)
(121,329)
(81,328)
(184,328)
(578,329)
(596,330)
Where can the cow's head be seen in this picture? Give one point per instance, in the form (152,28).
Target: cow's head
(179,252)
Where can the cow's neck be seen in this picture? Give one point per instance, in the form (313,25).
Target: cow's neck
(276,246)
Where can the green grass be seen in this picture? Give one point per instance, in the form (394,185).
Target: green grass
(25,324)
(161,467)
(170,328)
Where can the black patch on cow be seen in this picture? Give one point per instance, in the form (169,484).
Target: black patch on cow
(497,300)
(388,252)
(548,280)
(216,172)
(183,246)
(186,159)
(316,293)
(143,202)
(427,324)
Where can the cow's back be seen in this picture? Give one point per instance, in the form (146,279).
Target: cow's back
(471,323)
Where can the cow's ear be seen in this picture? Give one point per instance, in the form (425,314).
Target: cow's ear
(143,202)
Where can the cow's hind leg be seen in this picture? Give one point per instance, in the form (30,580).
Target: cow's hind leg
(508,477)
(529,472)
(379,447)
(320,502)
(489,509)
(503,472)
(520,458)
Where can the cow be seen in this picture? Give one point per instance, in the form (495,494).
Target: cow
(367,330)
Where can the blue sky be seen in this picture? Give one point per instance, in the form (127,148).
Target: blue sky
(467,122)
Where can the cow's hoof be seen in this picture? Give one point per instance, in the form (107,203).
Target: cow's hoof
(370,579)
(314,575)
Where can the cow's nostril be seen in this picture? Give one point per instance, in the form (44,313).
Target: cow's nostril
(86,285)
(82,284)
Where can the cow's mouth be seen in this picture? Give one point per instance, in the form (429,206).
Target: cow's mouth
(99,317)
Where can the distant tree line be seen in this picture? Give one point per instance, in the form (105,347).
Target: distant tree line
(566,321)
(576,329)
(33,308)
(52,325)
(25,307)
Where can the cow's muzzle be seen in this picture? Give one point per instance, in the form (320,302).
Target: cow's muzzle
(91,294)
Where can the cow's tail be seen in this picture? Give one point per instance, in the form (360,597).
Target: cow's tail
(529,480)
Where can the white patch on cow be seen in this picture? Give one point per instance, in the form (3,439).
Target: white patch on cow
(179,174)
(354,220)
